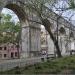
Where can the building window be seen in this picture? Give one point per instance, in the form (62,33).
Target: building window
(12,54)
(0,48)
(5,48)
(5,55)
(16,54)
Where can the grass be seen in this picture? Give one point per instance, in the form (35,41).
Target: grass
(59,65)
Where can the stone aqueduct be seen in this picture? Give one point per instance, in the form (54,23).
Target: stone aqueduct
(31,31)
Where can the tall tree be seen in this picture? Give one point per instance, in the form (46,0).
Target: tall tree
(39,7)
(8,30)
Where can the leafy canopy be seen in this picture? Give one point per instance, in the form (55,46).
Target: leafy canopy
(8,29)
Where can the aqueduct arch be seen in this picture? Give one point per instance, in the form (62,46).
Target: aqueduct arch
(30,40)
(31,30)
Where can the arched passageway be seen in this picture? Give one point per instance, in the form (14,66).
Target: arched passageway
(30,40)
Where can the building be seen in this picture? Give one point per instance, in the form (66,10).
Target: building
(8,51)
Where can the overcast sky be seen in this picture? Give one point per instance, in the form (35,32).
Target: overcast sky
(8,11)
(67,14)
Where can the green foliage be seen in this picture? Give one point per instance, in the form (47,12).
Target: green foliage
(71,4)
(6,18)
(10,30)
(56,66)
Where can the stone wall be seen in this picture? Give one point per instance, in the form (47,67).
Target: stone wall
(30,35)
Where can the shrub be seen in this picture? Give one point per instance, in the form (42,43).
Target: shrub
(17,67)
(26,68)
(17,72)
(38,67)
(42,59)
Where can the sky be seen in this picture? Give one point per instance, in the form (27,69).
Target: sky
(14,16)
(67,14)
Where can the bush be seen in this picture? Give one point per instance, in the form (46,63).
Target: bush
(42,59)
(26,68)
(37,66)
(59,65)
(17,67)
(17,72)
(48,59)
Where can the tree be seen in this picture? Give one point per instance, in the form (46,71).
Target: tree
(39,7)
(8,30)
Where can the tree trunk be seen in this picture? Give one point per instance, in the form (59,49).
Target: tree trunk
(47,26)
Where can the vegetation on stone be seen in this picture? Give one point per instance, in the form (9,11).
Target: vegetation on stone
(56,66)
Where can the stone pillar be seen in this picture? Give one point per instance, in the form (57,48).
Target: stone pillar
(30,40)
(30,34)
